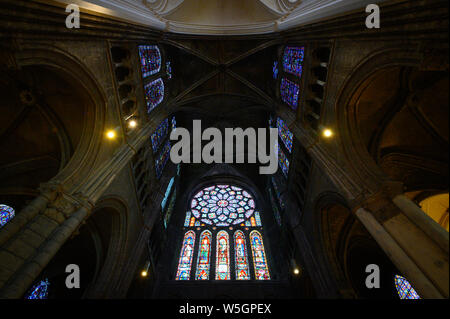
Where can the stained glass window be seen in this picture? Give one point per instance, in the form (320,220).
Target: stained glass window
(241,258)
(159,134)
(223,205)
(293,60)
(186,255)
(285,134)
(222,256)
(174,123)
(283,161)
(259,256)
(276,212)
(187,219)
(275,70)
(289,92)
(150,59)
(154,93)
(204,255)
(167,193)
(6,214)
(277,189)
(170,209)
(404,288)
(162,158)
(169,70)
(39,291)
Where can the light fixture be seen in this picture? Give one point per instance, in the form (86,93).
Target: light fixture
(327,133)
(111,134)
(144,272)
(132,123)
(296,271)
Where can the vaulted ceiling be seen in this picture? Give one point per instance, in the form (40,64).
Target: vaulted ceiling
(220,17)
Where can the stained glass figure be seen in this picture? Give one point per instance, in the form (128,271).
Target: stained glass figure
(259,256)
(162,158)
(293,59)
(241,257)
(404,288)
(39,290)
(285,134)
(275,70)
(159,134)
(168,70)
(150,59)
(289,93)
(204,255)
(6,214)
(186,255)
(283,161)
(223,205)
(222,256)
(154,93)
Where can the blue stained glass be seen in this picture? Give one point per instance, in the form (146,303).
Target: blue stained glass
(285,134)
(162,158)
(404,288)
(187,220)
(150,59)
(283,161)
(275,70)
(154,94)
(6,214)
(159,134)
(39,291)
(167,193)
(293,60)
(289,92)
(174,123)
(169,70)
(170,209)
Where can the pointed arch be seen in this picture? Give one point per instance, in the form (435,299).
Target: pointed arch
(186,255)
(259,256)
(204,256)
(223,256)
(241,257)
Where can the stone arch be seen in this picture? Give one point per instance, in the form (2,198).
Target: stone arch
(64,63)
(348,249)
(351,143)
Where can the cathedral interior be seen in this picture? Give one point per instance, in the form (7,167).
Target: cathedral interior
(361,115)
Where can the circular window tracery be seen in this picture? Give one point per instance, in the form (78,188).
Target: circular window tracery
(224,205)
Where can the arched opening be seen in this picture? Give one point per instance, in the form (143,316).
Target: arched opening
(350,250)
(95,249)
